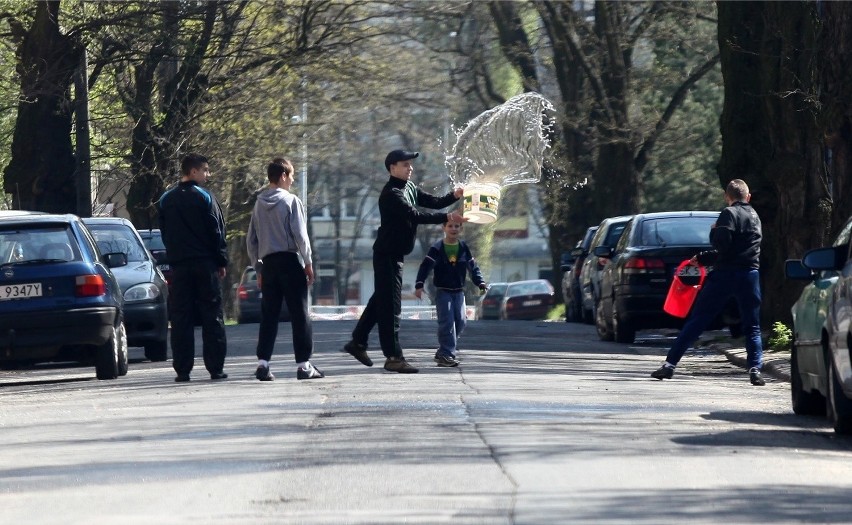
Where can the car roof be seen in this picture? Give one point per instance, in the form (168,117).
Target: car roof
(107,220)
(29,217)
(620,218)
(676,214)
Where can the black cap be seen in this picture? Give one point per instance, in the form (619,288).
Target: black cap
(398,155)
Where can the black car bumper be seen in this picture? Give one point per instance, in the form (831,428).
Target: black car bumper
(646,311)
(145,323)
(44,335)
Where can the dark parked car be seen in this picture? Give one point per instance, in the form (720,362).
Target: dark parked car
(59,300)
(143,285)
(248,297)
(607,235)
(527,300)
(153,240)
(571,292)
(820,367)
(642,264)
(488,306)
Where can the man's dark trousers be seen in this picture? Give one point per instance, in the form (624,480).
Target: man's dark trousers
(195,285)
(385,306)
(284,279)
(722,285)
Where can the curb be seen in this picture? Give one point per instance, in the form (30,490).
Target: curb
(774,364)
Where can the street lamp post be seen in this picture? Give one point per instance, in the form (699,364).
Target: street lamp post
(304,184)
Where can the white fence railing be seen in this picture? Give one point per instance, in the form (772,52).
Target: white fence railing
(354,311)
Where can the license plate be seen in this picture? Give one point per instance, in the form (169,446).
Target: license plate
(690,271)
(20,291)
(532,303)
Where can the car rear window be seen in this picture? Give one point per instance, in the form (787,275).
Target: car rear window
(674,231)
(528,288)
(41,243)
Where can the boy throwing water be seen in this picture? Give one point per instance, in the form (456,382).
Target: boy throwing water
(451,259)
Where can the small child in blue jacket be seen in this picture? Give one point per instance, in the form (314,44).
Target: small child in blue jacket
(451,259)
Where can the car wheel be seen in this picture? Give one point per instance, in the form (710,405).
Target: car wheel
(622,329)
(106,357)
(122,350)
(157,351)
(604,331)
(804,403)
(839,406)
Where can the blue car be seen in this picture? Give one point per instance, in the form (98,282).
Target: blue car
(59,300)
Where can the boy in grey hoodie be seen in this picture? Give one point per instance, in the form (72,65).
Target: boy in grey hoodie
(277,236)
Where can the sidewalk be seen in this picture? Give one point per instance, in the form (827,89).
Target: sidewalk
(775,364)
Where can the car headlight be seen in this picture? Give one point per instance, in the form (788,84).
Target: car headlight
(141,292)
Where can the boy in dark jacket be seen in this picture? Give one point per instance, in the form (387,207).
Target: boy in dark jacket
(451,259)
(735,257)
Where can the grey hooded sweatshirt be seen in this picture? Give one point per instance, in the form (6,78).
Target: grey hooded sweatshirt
(278,224)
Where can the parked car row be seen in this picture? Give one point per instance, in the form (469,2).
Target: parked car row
(629,266)
(530,299)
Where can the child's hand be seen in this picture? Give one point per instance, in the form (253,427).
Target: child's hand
(418,293)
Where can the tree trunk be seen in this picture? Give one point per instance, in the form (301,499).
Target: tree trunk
(40,175)
(769,133)
(835,46)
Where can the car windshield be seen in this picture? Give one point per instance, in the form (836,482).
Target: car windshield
(674,231)
(37,244)
(112,238)
(535,287)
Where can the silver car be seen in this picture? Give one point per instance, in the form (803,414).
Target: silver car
(825,368)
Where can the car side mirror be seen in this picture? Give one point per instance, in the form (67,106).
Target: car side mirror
(115,259)
(795,270)
(603,251)
(829,258)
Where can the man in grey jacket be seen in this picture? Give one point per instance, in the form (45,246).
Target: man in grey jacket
(277,236)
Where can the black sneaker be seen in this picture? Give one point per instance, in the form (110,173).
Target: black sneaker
(311,373)
(358,351)
(399,364)
(263,374)
(218,375)
(664,372)
(182,378)
(446,360)
(755,378)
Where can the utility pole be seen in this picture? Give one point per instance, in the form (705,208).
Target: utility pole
(83,171)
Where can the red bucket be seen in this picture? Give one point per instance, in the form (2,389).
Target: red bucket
(681,295)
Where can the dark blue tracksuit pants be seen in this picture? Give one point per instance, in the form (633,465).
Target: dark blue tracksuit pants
(721,285)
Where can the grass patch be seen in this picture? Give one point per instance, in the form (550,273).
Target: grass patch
(557,313)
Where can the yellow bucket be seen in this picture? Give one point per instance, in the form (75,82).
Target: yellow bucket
(481,201)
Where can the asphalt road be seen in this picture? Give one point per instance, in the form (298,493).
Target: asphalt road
(542,423)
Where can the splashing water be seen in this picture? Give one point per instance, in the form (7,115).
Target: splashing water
(504,145)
